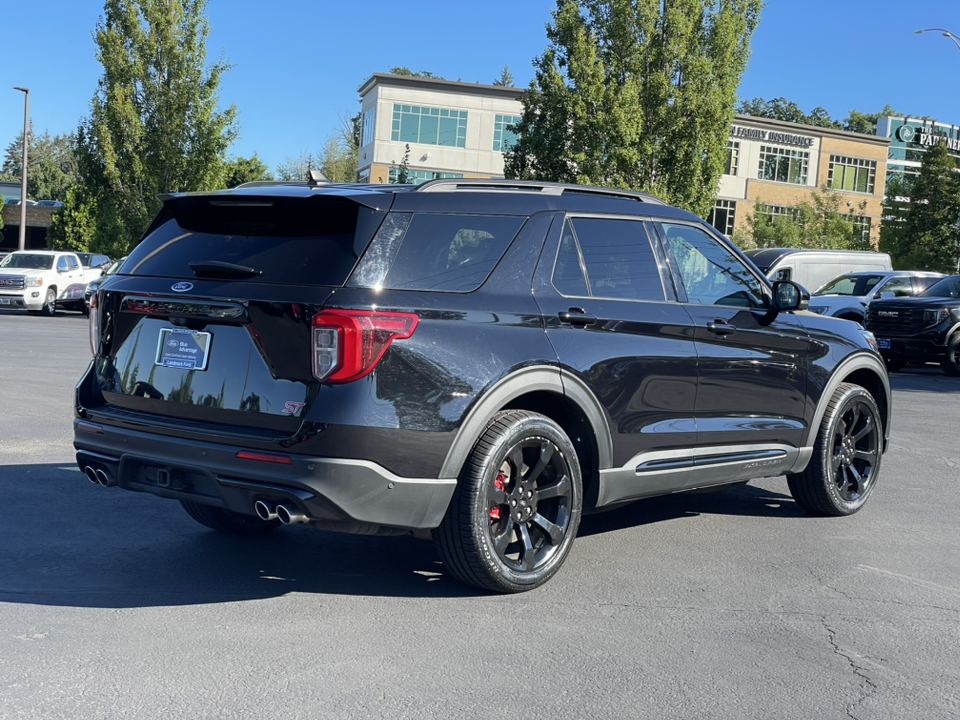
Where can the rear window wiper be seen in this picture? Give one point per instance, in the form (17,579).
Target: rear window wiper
(218,269)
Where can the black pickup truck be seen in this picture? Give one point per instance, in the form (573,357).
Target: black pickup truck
(920,329)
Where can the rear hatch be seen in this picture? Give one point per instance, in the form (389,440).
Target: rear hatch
(209,320)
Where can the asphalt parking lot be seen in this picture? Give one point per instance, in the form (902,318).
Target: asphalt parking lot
(733,604)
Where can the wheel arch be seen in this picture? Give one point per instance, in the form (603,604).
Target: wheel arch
(867,371)
(559,396)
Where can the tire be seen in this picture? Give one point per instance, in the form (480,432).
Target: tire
(515,513)
(951,363)
(49,308)
(228,521)
(846,458)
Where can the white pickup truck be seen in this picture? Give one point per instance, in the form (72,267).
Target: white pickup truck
(39,280)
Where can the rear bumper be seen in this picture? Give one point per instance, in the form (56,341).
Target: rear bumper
(325,489)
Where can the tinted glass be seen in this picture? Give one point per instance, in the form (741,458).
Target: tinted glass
(62,264)
(72,263)
(619,260)
(28,262)
(568,276)
(712,275)
(290,241)
(452,253)
(899,286)
(947,287)
(850,285)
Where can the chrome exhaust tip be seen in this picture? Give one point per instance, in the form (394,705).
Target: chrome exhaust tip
(91,474)
(103,478)
(290,515)
(264,511)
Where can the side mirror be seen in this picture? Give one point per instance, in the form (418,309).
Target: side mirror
(787,295)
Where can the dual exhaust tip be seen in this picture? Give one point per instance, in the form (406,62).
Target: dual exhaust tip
(99,476)
(287,514)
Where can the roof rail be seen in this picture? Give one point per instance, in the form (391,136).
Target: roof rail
(530,186)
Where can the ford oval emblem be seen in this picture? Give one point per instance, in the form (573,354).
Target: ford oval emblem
(181,286)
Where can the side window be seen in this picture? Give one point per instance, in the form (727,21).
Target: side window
(711,274)
(782,274)
(62,264)
(568,276)
(73,262)
(899,286)
(452,253)
(618,259)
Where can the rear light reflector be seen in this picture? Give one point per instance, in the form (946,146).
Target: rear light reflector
(90,428)
(265,457)
(348,344)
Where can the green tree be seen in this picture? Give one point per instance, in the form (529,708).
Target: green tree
(298,168)
(75,225)
(154,126)
(822,223)
(403,170)
(786,110)
(636,94)
(239,170)
(407,72)
(921,233)
(506,77)
(867,122)
(53,164)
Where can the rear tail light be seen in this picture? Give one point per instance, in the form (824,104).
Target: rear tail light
(94,324)
(348,344)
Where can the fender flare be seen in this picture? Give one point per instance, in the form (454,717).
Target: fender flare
(859,361)
(526,380)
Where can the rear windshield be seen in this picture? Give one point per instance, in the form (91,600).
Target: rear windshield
(300,241)
(28,262)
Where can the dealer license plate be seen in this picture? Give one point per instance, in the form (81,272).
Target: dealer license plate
(182,348)
(4,301)
(883,343)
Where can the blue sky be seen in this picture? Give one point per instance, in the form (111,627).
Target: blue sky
(297,64)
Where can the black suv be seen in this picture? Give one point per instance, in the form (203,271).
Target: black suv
(921,329)
(476,361)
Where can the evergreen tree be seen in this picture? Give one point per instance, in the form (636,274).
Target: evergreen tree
(926,236)
(153,127)
(52,160)
(506,77)
(636,94)
(241,170)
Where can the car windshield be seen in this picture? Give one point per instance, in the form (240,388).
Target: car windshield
(28,261)
(850,285)
(948,287)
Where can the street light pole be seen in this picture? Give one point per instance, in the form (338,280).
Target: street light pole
(23,170)
(942,31)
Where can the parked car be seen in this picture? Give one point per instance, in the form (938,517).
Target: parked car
(920,329)
(848,295)
(38,280)
(479,362)
(813,268)
(50,203)
(74,298)
(94,285)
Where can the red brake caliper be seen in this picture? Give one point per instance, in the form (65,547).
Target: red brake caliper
(500,484)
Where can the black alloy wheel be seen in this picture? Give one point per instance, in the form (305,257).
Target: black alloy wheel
(515,513)
(846,458)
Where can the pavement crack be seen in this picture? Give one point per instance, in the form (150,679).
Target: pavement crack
(868,687)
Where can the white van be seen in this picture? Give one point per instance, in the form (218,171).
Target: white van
(814,268)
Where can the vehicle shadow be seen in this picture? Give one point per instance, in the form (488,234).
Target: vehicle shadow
(68,542)
(742,500)
(923,378)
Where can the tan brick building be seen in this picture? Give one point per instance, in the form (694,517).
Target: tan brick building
(780,164)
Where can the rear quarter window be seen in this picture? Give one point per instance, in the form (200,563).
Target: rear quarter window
(314,241)
(439,252)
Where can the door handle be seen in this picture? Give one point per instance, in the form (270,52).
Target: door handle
(718,327)
(577,317)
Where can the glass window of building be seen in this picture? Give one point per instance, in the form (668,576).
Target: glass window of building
(783,164)
(429,125)
(723,215)
(861,228)
(852,174)
(418,177)
(369,122)
(733,158)
(775,211)
(503,135)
